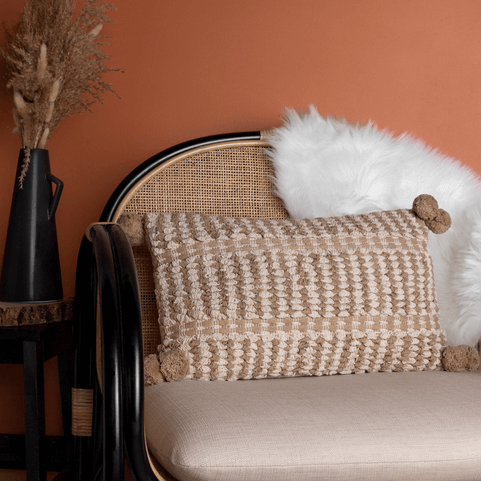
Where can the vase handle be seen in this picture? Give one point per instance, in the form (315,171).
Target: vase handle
(56,197)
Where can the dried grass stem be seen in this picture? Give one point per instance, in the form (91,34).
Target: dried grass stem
(55,66)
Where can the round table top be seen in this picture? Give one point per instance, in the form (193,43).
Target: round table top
(27,313)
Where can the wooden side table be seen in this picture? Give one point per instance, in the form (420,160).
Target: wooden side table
(30,340)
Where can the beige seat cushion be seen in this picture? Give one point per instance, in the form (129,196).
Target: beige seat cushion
(379,426)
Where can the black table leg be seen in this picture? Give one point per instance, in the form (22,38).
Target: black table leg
(34,410)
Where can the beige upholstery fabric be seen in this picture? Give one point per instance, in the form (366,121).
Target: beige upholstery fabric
(417,426)
(251,298)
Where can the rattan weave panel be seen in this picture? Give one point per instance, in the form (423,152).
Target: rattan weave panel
(227,181)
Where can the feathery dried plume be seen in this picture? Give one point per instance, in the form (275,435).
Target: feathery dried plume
(55,90)
(55,66)
(43,140)
(95,31)
(16,117)
(20,103)
(42,62)
(26,163)
(48,118)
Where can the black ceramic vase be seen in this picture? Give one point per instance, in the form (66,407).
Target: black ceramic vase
(31,264)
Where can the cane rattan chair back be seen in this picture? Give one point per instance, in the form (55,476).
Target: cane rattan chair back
(230,178)
(228,175)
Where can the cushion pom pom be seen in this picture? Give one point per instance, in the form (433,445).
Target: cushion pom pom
(133,227)
(460,358)
(426,207)
(173,365)
(441,223)
(152,374)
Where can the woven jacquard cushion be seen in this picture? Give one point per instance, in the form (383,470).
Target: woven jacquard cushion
(250,298)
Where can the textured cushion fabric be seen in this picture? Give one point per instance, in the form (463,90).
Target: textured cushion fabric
(329,166)
(251,298)
(421,426)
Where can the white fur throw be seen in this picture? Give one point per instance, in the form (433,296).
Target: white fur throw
(327,167)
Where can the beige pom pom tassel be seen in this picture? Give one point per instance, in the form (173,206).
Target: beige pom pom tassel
(152,374)
(460,358)
(174,365)
(133,226)
(426,207)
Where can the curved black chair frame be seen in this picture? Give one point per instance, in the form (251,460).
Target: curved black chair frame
(107,294)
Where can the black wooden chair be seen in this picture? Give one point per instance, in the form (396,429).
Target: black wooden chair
(116,317)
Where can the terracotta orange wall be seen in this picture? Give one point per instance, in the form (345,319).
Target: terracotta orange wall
(198,68)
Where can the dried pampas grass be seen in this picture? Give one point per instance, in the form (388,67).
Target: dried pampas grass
(55,66)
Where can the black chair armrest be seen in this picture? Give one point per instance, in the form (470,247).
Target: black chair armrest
(133,357)
(106,266)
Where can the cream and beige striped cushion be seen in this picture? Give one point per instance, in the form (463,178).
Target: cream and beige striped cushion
(254,298)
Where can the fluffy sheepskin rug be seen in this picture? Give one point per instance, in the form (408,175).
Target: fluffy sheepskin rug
(328,167)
